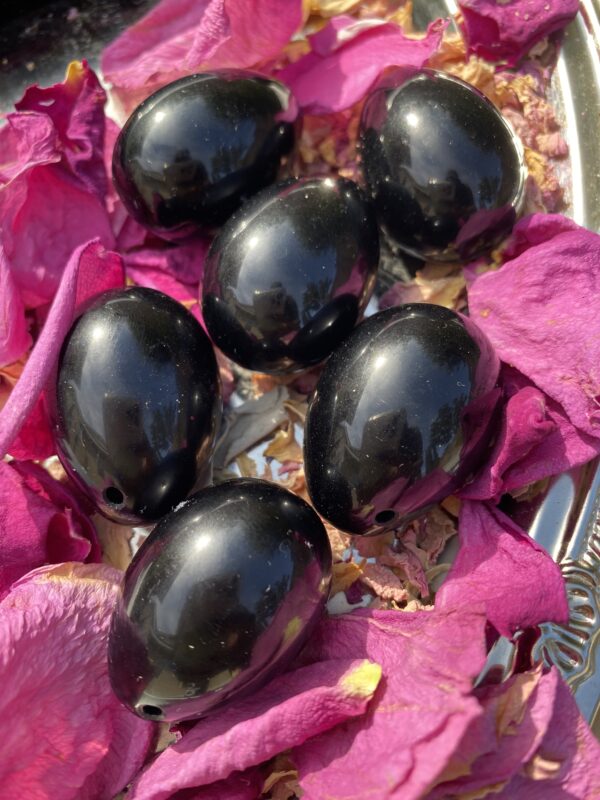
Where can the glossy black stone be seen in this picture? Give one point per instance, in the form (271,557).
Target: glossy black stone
(137,403)
(290,274)
(444,168)
(402,415)
(191,152)
(219,599)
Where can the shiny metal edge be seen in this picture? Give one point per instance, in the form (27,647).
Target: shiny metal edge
(565,520)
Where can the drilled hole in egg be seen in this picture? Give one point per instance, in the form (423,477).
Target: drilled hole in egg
(113,496)
(153,712)
(383,517)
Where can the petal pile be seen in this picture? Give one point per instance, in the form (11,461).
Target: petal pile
(68,736)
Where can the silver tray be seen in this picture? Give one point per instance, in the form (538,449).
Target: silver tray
(565,519)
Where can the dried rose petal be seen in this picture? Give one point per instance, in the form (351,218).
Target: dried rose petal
(52,198)
(68,735)
(567,762)
(14,336)
(179,37)
(35,441)
(536,440)
(285,713)
(90,270)
(41,522)
(500,567)
(507,31)
(420,711)
(76,108)
(347,57)
(539,310)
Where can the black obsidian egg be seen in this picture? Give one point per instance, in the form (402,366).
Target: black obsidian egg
(290,274)
(137,403)
(191,152)
(219,599)
(402,415)
(444,168)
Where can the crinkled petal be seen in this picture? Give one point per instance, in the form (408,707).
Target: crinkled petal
(26,141)
(90,270)
(567,762)
(245,785)
(178,37)
(501,567)
(536,440)
(420,711)
(41,522)
(539,310)
(507,31)
(68,736)
(516,717)
(283,714)
(44,216)
(35,441)
(76,109)
(346,60)
(14,336)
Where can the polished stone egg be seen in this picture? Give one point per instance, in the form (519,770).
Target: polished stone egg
(192,151)
(218,600)
(444,168)
(137,403)
(402,415)
(290,274)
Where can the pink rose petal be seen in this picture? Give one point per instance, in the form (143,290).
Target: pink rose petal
(41,522)
(76,108)
(285,713)
(536,440)
(505,737)
(53,181)
(501,567)
(245,785)
(420,712)
(179,37)
(68,736)
(347,59)
(35,440)
(567,762)
(14,336)
(539,310)
(507,31)
(90,270)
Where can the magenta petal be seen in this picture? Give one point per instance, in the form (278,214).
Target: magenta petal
(41,522)
(90,270)
(76,108)
(420,712)
(567,762)
(66,735)
(35,440)
(245,785)
(285,713)
(501,567)
(182,36)
(26,141)
(536,440)
(540,312)
(14,336)
(346,61)
(507,31)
